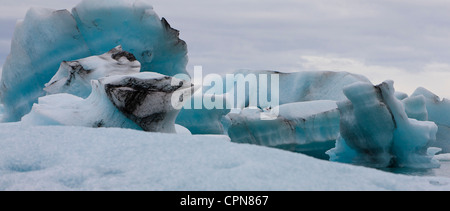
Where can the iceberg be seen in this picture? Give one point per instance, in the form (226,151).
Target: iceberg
(289,88)
(306,118)
(141,101)
(74,77)
(41,42)
(105,24)
(299,86)
(203,121)
(376,131)
(438,111)
(2,110)
(47,37)
(415,107)
(307,127)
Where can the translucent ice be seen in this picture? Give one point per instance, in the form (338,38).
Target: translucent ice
(138,101)
(46,37)
(415,107)
(74,77)
(41,42)
(2,110)
(306,127)
(304,86)
(438,112)
(203,121)
(291,88)
(376,132)
(134,25)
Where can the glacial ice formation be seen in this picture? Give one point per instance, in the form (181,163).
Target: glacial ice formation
(74,77)
(41,42)
(415,107)
(308,120)
(2,110)
(303,86)
(438,112)
(376,131)
(105,24)
(293,87)
(47,37)
(307,127)
(203,121)
(140,101)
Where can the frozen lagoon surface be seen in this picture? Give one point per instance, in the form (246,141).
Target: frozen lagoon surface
(78,158)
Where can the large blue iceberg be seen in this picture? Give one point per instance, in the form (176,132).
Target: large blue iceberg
(141,101)
(46,37)
(376,131)
(41,42)
(306,127)
(307,118)
(118,95)
(438,111)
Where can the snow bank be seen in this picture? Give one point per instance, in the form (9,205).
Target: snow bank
(73,158)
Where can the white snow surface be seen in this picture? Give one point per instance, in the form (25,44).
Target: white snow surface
(78,158)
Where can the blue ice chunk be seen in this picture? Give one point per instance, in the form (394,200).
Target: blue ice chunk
(374,124)
(134,25)
(293,87)
(438,109)
(2,110)
(140,101)
(306,127)
(415,107)
(438,112)
(401,95)
(46,38)
(203,120)
(74,77)
(305,85)
(41,42)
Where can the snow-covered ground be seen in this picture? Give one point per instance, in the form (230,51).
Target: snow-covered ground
(78,158)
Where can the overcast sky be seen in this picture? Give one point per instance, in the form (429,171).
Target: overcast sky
(404,40)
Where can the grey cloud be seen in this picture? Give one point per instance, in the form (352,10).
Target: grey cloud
(266,34)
